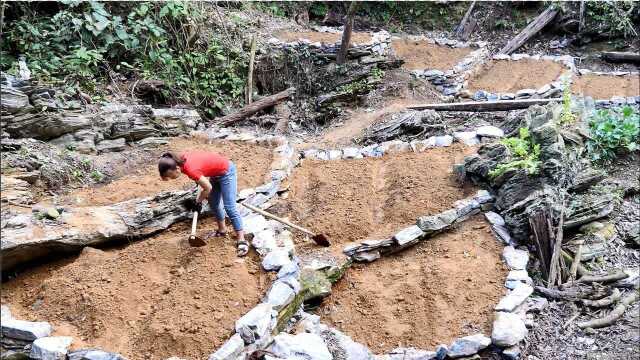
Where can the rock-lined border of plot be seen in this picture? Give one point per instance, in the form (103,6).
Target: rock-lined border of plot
(380,43)
(614,100)
(553,89)
(450,82)
(469,138)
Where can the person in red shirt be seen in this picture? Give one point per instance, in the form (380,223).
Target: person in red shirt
(217,177)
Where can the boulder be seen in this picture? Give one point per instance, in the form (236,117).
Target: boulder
(13,100)
(508,329)
(51,348)
(301,346)
(468,345)
(45,126)
(230,350)
(256,325)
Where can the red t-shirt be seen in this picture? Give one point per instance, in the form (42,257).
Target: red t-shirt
(203,163)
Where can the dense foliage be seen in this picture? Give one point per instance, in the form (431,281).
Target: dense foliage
(526,154)
(612,132)
(83,41)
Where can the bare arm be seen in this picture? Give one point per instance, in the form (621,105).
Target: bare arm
(206,189)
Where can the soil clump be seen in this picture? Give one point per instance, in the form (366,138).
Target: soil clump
(422,55)
(441,289)
(601,87)
(151,299)
(505,76)
(252,162)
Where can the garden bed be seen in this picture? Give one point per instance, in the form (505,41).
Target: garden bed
(323,37)
(606,86)
(509,76)
(422,54)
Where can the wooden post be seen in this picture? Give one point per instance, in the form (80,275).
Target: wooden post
(533,28)
(583,6)
(256,106)
(346,34)
(249,88)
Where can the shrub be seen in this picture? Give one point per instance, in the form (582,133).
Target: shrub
(526,155)
(612,132)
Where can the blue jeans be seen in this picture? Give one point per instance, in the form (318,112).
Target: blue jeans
(224,190)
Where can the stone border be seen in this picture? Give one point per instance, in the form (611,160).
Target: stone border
(614,100)
(380,43)
(553,89)
(450,82)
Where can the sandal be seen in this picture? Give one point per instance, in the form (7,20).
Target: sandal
(242,248)
(216,234)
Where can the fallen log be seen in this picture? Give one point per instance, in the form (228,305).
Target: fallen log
(603,278)
(79,227)
(462,28)
(571,294)
(256,106)
(532,29)
(606,301)
(616,56)
(501,105)
(614,315)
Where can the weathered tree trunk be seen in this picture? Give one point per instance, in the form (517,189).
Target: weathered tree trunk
(462,28)
(249,93)
(254,107)
(615,56)
(346,34)
(532,29)
(501,105)
(614,315)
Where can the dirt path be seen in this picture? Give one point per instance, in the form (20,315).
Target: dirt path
(149,300)
(444,288)
(252,161)
(421,55)
(354,200)
(505,76)
(605,86)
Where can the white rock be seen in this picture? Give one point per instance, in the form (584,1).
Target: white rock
(334,154)
(444,141)
(511,353)
(494,218)
(25,330)
(351,349)
(245,193)
(94,354)
(408,235)
(544,89)
(301,346)
(367,256)
(256,325)
(515,277)
(467,137)
(468,345)
(516,259)
(508,329)
(264,241)
(351,153)
(502,234)
(516,297)
(525,93)
(280,295)
(5,313)
(254,223)
(51,348)
(276,259)
(412,354)
(483,196)
(230,350)
(489,131)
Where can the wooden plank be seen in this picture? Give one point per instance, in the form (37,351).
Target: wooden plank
(256,106)
(500,105)
(533,28)
(616,56)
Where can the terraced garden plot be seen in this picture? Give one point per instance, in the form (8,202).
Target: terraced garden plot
(149,300)
(323,37)
(441,289)
(507,76)
(422,55)
(606,86)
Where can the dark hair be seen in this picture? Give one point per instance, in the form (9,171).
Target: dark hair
(168,161)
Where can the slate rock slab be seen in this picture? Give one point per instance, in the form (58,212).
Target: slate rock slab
(25,330)
(516,297)
(468,345)
(275,260)
(516,259)
(51,348)
(230,350)
(256,325)
(508,329)
(94,354)
(301,346)
(280,295)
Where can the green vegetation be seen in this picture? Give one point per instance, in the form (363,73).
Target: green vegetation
(567,117)
(526,154)
(612,132)
(83,42)
(616,18)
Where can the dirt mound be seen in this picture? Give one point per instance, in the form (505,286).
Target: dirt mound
(444,288)
(354,200)
(150,300)
(606,86)
(253,162)
(422,55)
(505,76)
(323,37)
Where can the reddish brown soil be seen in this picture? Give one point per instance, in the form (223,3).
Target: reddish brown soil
(605,86)
(149,300)
(252,161)
(421,55)
(323,37)
(370,198)
(444,288)
(506,76)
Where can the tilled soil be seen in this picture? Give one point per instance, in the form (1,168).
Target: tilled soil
(505,76)
(605,86)
(441,289)
(353,200)
(323,37)
(252,161)
(149,300)
(421,55)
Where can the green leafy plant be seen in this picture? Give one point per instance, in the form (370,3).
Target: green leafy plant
(526,154)
(567,117)
(612,132)
(97,176)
